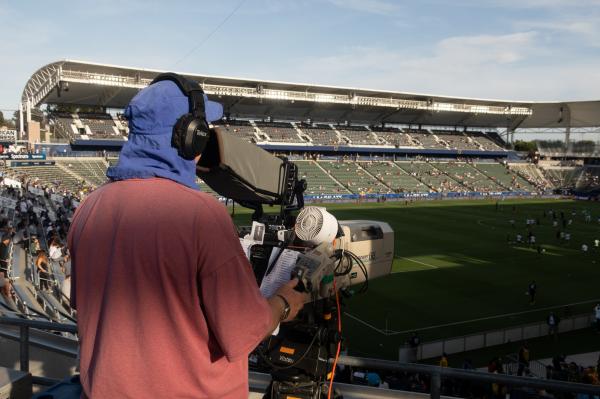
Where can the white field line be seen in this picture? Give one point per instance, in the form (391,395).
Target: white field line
(419,262)
(365,323)
(391,332)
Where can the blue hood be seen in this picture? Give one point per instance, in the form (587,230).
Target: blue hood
(152,113)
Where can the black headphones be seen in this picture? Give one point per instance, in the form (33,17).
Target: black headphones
(191,131)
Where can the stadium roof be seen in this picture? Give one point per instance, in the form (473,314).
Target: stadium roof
(85,83)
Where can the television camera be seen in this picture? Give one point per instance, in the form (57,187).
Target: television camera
(326,255)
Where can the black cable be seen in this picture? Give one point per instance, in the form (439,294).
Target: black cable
(350,257)
(361,264)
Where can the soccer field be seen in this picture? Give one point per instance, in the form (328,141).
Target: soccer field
(454,265)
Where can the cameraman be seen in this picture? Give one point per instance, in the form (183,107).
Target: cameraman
(168,306)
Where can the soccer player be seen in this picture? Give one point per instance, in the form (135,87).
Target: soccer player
(532,291)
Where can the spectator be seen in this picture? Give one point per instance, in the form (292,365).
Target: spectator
(597,319)
(444,360)
(523,359)
(414,343)
(34,245)
(42,264)
(5,285)
(55,251)
(148,249)
(5,254)
(553,321)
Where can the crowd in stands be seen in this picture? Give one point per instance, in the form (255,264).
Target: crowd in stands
(49,180)
(38,224)
(348,174)
(533,175)
(561,369)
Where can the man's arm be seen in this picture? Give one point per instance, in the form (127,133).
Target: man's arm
(294,299)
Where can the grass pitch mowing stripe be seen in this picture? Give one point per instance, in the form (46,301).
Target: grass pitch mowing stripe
(419,262)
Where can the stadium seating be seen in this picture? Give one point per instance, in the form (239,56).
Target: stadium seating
(490,141)
(562,177)
(435,179)
(64,126)
(354,178)
(395,177)
(457,140)
(469,176)
(358,177)
(395,137)
(532,174)
(319,182)
(505,177)
(425,139)
(99,125)
(52,176)
(91,170)
(241,129)
(279,132)
(321,134)
(588,178)
(358,135)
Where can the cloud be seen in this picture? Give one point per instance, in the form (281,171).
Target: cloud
(540,4)
(585,29)
(479,49)
(511,67)
(380,7)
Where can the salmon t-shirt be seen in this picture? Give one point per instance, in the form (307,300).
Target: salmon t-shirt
(167,304)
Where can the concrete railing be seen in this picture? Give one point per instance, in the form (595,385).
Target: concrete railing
(464,343)
(259,382)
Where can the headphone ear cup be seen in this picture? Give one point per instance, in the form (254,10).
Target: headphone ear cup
(201,134)
(178,137)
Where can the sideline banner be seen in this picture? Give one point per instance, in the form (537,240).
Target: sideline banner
(405,196)
(23,157)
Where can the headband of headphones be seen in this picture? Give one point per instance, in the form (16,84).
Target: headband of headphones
(191,89)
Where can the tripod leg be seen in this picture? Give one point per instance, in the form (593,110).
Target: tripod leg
(268,391)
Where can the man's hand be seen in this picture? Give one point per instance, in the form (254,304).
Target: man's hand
(295,299)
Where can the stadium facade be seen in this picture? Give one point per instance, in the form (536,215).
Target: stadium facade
(84,83)
(399,144)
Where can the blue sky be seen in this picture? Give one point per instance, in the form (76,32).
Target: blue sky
(506,49)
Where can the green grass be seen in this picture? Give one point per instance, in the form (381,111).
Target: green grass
(453,264)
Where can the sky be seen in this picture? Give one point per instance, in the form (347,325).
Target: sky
(495,49)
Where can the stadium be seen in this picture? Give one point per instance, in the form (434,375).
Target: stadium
(474,221)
